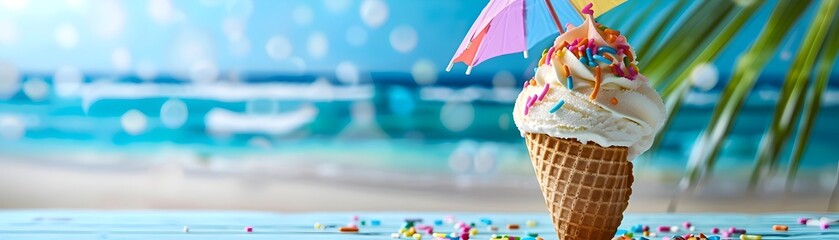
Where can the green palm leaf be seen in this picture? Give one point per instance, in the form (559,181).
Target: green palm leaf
(811,109)
(746,72)
(685,42)
(792,94)
(640,19)
(675,90)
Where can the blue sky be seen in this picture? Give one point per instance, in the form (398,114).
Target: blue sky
(290,36)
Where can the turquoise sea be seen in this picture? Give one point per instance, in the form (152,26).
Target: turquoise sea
(385,122)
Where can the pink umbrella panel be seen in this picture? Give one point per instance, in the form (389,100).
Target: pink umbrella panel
(511,26)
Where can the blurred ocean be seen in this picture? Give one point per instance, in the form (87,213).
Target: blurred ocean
(385,121)
(260,104)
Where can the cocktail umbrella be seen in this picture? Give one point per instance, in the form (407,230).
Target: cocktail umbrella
(511,26)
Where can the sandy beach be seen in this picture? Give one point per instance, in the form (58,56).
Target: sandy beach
(33,184)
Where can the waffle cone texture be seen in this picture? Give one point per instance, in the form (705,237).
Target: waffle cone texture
(586,186)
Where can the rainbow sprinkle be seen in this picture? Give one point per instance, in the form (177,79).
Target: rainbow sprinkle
(587,9)
(569,82)
(557,106)
(602,59)
(550,53)
(544,91)
(607,49)
(613,56)
(527,105)
(596,83)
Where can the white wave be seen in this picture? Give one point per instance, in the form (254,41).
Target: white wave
(220,120)
(469,94)
(317,92)
(695,98)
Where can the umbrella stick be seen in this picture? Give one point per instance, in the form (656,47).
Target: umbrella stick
(553,14)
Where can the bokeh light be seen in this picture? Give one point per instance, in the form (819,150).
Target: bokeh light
(347,73)
(356,35)
(318,45)
(461,158)
(134,122)
(403,39)
(161,11)
(457,116)
(374,13)
(424,72)
(704,76)
(9,80)
(302,15)
(239,8)
(11,127)
(203,71)
(174,113)
(121,59)
(486,158)
(67,80)
(66,36)
(108,18)
(36,89)
(146,70)
(8,32)
(278,47)
(336,6)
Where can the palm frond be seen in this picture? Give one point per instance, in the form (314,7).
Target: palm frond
(824,66)
(747,70)
(619,15)
(790,102)
(675,90)
(632,27)
(683,43)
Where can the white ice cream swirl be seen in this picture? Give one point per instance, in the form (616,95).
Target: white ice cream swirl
(625,112)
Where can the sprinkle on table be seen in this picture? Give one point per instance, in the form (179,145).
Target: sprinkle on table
(348,229)
(531,223)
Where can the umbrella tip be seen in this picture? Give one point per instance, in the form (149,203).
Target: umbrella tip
(468,70)
(449,68)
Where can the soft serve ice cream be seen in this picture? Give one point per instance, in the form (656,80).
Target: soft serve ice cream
(588,87)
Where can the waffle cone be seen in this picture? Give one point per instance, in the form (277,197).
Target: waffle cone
(586,186)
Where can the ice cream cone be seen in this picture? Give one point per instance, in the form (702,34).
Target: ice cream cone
(586,186)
